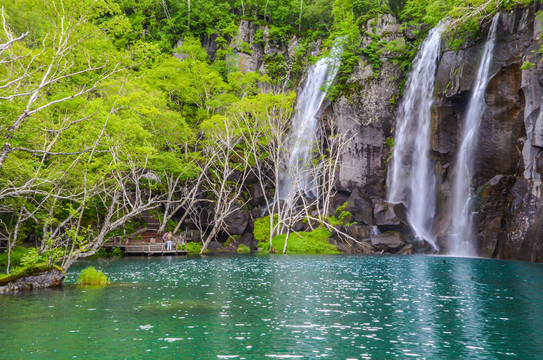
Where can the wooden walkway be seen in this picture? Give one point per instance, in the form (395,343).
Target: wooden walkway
(151,249)
(132,247)
(149,242)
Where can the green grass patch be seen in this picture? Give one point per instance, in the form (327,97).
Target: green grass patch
(92,276)
(314,242)
(243,249)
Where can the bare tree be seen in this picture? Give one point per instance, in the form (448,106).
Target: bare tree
(182,194)
(226,176)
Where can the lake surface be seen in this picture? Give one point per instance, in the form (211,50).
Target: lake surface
(265,307)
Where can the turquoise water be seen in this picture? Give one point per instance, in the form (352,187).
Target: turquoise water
(265,307)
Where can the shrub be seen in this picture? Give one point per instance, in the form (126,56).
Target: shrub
(243,249)
(17,254)
(262,228)
(117,251)
(91,276)
(194,247)
(314,242)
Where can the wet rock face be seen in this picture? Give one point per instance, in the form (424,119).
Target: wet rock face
(493,201)
(507,174)
(43,280)
(367,116)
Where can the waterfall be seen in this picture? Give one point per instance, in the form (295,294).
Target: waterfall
(461,231)
(298,174)
(411,177)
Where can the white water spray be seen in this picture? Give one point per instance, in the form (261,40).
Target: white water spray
(411,178)
(298,174)
(461,231)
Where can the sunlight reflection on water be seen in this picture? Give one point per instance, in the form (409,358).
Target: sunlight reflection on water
(308,307)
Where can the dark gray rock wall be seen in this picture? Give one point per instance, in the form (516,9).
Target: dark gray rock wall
(507,179)
(367,115)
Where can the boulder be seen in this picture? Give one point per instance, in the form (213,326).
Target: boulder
(45,279)
(406,250)
(351,247)
(360,207)
(390,216)
(388,241)
(237,221)
(360,232)
(257,195)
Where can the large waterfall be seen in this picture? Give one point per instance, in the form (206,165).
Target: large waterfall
(411,178)
(298,174)
(461,231)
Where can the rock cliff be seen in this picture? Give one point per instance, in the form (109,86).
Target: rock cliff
(509,158)
(507,178)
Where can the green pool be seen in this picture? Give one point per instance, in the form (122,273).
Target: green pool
(265,307)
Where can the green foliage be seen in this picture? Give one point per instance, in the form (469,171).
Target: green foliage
(314,242)
(372,52)
(261,230)
(91,276)
(195,247)
(467,15)
(276,68)
(389,142)
(527,65)
(342,217)
(243,249)
(17,254)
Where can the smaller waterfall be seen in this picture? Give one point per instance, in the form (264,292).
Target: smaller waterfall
(461,231)
(411,178)
(298,174)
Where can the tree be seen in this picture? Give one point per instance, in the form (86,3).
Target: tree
(227,174)
(30,76)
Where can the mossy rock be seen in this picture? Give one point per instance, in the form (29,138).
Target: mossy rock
(23,272)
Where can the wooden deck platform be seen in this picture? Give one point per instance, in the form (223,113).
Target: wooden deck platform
(151,250)
(144,248)
(149,242)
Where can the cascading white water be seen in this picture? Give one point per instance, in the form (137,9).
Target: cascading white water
(461,231)
(411,177)
(298,175)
